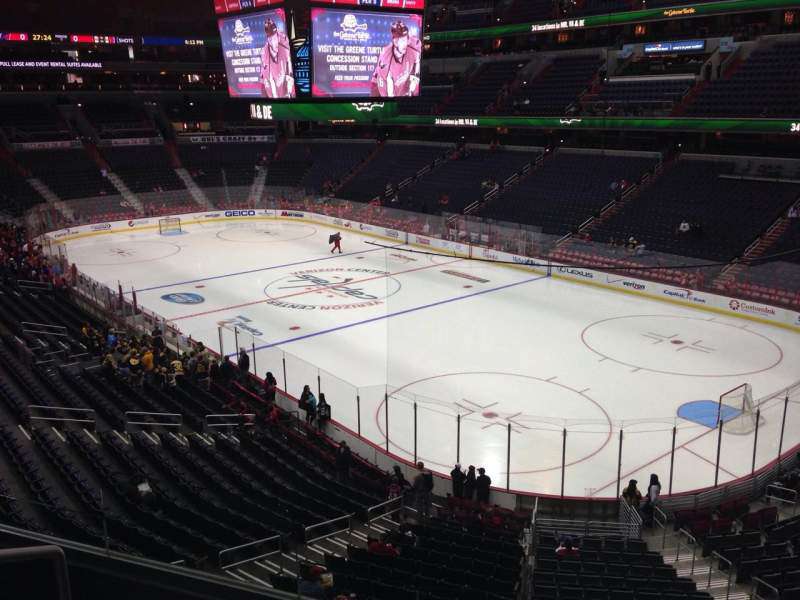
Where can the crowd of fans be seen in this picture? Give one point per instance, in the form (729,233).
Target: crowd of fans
(23,259)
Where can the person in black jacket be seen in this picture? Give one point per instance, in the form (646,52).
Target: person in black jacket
(270,387)
(243,363)
(227,370)
(482,484)
(469,483)
(458,476)
(343,460)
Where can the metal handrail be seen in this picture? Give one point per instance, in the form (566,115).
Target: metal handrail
(711,570)
(227,551)
(347,518)
(93,420)
(758,581)
(693,542)
(657,512)
(399,500)
(246,420)
(131,413)
(632,519)
(45,325)
(789,491)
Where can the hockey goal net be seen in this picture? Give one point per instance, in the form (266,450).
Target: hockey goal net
(736,410)
(169,225)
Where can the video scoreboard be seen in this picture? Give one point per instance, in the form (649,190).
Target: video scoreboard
(349,49)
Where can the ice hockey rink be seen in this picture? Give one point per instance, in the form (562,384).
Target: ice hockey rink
(518,355)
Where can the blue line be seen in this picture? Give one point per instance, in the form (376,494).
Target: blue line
(395,314)
(292,264)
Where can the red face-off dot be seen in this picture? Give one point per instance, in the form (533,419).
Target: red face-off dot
(294,328)
(676,342)
(489,414)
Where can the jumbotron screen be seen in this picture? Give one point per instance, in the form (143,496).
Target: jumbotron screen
(257,54)
(358,54)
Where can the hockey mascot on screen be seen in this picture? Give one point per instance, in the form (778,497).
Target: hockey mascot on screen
(336,240)
(398,68)
(277,77)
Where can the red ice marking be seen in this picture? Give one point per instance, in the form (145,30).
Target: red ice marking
(199,286)
(676,342)
(467,286)
(359,257)
(489,414)
(294,328)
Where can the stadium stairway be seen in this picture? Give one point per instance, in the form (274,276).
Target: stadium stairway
(257,189)
(680,108)
(626,198)
(360,167)
(197,194)
(131,198)
(688,562)
(51,197)
(756,250)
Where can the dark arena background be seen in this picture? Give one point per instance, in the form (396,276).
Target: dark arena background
(400,299)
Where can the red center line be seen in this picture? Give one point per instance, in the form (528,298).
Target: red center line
(311,290)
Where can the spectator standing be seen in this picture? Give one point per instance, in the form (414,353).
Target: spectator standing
(469,483)
(270,387)
(632,495)
(227,371)
(458,476)
(398,484)
(423,490)
(343,460)
(243,363)
(148,364)
(653,492)
(482,484)
(311,408)
(323,411)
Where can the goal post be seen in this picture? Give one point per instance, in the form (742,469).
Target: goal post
(169,226)
(736,410)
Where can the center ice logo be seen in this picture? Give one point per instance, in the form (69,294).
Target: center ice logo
(332,288)
(183,298)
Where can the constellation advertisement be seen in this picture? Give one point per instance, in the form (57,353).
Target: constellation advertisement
(365,54)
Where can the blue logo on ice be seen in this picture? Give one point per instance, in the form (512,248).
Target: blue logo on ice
(184,298)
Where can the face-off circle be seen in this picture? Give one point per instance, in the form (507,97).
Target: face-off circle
(678,345)
(128,252)
(333,288)
(265,233)
(536,414)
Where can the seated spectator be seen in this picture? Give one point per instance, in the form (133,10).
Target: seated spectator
(310,586)
(381,548)
(566,548)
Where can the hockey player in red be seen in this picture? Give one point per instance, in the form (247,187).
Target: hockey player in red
(336,240)
(277,78)
(398,68)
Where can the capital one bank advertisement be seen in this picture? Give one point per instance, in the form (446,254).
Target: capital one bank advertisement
(257,54)
(365,54)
